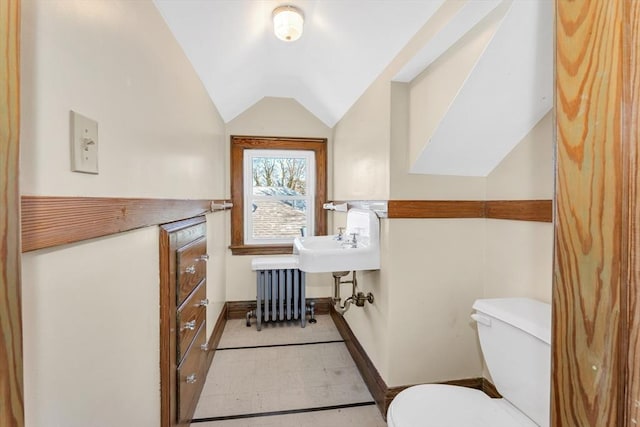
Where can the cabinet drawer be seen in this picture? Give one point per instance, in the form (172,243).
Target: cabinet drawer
(190,317)
(191,267)
(191,376)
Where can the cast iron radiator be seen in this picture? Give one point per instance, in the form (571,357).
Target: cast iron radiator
(280,291)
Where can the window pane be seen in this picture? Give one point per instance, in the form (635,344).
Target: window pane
(278,219)
(279,176)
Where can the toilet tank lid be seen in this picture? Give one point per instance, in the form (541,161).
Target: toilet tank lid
(533,317)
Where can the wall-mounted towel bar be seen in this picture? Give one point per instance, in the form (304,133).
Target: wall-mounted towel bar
(220,205)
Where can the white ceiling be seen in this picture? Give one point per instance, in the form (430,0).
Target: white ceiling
(346,44)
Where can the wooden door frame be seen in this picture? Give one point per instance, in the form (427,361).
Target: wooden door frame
(11,380)
(597,266)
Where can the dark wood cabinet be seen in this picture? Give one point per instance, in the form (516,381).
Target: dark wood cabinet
(183,329)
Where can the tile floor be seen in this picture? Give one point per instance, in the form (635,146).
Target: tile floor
(284,376)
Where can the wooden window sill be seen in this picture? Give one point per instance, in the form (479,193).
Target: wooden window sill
(261,249)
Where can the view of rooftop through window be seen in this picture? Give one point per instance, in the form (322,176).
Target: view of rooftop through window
(279,196)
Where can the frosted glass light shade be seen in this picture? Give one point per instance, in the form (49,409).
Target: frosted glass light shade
(287,23)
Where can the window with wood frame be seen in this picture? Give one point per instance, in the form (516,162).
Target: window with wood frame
(278,187)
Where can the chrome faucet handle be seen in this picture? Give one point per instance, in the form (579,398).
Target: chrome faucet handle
(354,240)
(340,235)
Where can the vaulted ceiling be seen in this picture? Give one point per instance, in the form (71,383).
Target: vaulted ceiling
(346,45)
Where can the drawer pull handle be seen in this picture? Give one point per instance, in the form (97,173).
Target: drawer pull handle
(204,257)
(204,347)
(204,302)
(191,379)
(189,325)
(191,269)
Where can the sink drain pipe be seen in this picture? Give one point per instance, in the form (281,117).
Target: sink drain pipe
(358,298)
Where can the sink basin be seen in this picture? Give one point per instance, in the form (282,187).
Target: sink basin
(324,254)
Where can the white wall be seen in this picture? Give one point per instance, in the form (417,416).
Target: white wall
(275,117)
(434,90)
(90,310)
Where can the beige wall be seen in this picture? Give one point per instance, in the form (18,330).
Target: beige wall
(520,253)
(90,310)
(91,338)
(528,170)
(419,328)
(367,162)
(436,274)
(430,294)
(275,117)
(361,158)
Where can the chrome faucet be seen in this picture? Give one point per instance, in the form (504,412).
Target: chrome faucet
(340,235)
(354,240)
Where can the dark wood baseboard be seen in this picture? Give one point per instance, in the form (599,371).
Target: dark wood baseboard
(376,385)
(216,334)
(382,394)
(239,309)
(489,389)
(479,383)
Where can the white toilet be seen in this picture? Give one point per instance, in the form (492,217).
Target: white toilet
(515,336)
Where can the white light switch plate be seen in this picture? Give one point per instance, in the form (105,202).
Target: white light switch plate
(84,144)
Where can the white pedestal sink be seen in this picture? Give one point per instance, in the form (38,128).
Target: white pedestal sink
(325,254)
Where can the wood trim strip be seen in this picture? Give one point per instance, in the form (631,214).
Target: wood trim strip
(53,221)
(435,209)
(11,355)
(370,374)
(239,309)
(519,210)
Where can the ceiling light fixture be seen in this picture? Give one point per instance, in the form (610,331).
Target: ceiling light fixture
(287,23)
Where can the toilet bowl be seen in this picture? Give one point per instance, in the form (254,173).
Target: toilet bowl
(515,337)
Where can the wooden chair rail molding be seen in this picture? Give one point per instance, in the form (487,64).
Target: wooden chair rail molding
(53,221)
(520,210)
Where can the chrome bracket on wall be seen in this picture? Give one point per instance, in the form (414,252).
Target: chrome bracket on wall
(380,207)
